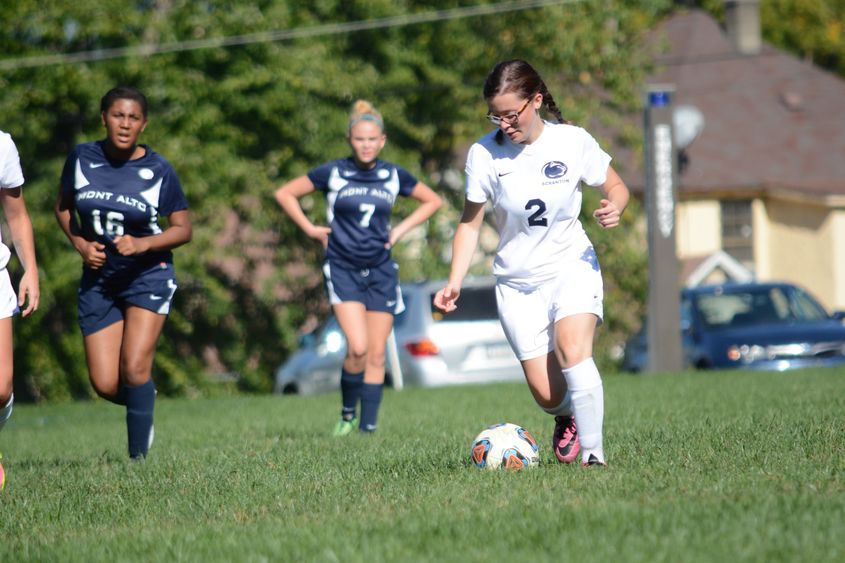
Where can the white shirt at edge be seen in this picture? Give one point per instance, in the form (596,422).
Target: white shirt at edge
(11,175)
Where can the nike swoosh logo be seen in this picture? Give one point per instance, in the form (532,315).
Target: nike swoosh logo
(505,173)
(391,303)
(156,297)
(96,164)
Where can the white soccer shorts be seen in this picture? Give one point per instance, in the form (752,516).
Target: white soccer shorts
(528,317)
(8,298)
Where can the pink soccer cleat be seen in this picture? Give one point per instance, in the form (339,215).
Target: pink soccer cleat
(565,439)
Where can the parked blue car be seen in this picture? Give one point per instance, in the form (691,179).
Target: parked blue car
(764,326)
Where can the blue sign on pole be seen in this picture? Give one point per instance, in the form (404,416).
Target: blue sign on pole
(657,99)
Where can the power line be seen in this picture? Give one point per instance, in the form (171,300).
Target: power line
(278,35)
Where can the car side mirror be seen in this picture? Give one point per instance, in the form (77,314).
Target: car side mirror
(838,315)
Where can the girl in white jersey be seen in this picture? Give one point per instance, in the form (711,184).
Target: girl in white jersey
(549,288)
(26,301)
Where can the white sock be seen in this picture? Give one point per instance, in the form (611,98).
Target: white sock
(6,411)
(564,408)
(587,392)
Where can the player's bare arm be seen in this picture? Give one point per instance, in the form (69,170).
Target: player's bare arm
(288,196)
(430,202)
(616,199)
(92,252)
(463,247)
(178,232)
(20,226)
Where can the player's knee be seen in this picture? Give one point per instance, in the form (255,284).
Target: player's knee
(573,354)
(546,402)
(376,359)
(107,391)
(357,352)
(135,372)
(5,394)
(5,381)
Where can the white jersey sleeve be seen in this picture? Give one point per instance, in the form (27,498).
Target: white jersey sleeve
(480,174)
(594,161)
(11,175)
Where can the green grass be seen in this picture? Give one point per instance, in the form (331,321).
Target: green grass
(703,467)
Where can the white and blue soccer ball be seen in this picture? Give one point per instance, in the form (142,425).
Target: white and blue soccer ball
(505,445)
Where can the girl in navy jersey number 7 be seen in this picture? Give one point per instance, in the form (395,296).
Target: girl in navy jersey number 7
(112,194)
(361,278)
(549,287)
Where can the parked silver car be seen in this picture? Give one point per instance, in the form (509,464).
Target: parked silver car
(466,346)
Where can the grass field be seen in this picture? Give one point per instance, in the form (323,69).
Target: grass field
(703,467)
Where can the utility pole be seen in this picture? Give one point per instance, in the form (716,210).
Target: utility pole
(661,158)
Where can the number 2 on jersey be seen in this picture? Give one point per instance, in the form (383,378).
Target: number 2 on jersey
(367,209)
(536,219)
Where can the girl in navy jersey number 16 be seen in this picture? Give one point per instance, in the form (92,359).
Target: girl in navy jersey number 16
(549,287)
(361,278)
(113,194)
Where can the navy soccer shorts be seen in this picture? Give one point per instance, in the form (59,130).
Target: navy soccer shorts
(377,287)
(103,299)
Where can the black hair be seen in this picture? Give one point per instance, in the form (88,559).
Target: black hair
(123,93)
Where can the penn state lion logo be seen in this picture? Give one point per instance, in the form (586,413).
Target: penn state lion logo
(554,169)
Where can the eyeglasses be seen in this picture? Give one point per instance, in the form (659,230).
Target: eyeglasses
(509,118)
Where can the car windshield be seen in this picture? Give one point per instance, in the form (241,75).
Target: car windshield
(475,303)
(763,305)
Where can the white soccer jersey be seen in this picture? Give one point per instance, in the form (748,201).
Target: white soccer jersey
(11,175)
(535,192)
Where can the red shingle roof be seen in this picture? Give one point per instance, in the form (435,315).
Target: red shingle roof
(772,121)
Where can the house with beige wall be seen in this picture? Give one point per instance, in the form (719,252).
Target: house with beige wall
(763,184)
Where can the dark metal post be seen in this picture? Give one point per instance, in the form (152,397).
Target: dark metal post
(661,157)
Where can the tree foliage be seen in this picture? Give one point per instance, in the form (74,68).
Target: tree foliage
(811,29)
(237,121)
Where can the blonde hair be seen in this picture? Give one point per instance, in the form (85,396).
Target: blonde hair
(362,110)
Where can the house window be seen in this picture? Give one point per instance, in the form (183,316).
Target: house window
(737,239)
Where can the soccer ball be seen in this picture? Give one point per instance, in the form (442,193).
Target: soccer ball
(504,445)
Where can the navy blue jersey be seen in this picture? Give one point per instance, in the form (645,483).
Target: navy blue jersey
(117,197)
(359,207)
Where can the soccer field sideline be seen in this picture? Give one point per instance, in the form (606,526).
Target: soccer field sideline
(703,467)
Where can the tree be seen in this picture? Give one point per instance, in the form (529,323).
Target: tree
(237,121)
(812,29)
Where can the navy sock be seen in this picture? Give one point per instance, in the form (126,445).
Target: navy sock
(140,402)
(350,392)
(370,402)
(120,398)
